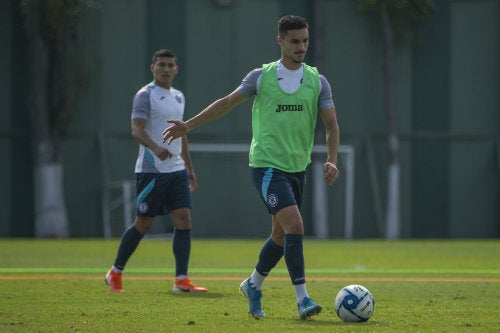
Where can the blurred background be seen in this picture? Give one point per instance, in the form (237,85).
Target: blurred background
(416,86)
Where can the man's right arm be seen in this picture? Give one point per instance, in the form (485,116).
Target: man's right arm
(216,110)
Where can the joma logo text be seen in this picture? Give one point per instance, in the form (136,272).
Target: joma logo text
(292,107)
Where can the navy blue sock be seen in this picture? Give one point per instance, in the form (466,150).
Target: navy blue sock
(130,239)
(181,245)
(294,258)
(269,256)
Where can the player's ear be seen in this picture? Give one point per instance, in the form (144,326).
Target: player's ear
(152,68)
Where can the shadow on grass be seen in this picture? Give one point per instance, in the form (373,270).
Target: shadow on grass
(208,295)
(325,319)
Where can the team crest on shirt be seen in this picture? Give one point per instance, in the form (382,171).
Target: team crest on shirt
(178,99)
(143,207)
(272,200)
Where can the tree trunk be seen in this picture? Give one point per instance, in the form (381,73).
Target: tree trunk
(320,195)
(50,208)
(393,221)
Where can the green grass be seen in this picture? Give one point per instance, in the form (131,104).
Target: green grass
(418,286)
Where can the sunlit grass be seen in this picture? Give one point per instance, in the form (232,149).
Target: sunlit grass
(419,286)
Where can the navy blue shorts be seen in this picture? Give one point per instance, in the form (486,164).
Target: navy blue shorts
(279,189)
(160,193)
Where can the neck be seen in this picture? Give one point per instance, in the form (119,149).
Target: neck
(163,85)
(290,63)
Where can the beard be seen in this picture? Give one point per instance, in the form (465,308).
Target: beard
(298,58)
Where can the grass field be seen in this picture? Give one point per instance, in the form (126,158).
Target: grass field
(418,286)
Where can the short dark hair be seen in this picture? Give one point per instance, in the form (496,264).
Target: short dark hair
(163,53)
(291,22)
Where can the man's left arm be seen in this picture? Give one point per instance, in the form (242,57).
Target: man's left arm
(329,118)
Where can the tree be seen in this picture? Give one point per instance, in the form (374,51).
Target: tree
(397,18)
(52,29)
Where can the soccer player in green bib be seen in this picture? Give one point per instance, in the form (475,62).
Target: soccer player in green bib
(289,94)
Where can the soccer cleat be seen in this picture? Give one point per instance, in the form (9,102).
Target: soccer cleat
(184,285)
(254,296)
(114,281)
(308,308)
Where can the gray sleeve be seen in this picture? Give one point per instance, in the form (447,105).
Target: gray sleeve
(248,86)
(141,105)
(325,100)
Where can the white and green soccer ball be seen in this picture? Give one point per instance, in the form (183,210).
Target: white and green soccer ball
(354,303)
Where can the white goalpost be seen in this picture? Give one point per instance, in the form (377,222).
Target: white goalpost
(320,205)
(124,190)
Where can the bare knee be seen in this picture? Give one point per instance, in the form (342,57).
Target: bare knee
(290,220)
(143,224)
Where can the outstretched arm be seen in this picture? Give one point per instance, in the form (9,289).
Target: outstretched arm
(329,118)
(216,110)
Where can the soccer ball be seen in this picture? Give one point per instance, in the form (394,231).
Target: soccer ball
(354,303)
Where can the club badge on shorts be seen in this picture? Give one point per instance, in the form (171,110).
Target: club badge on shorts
(143,207)
(272,200)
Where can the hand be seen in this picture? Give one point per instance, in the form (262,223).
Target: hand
(193,183)
(177,130)
(161,152)
(331,173)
